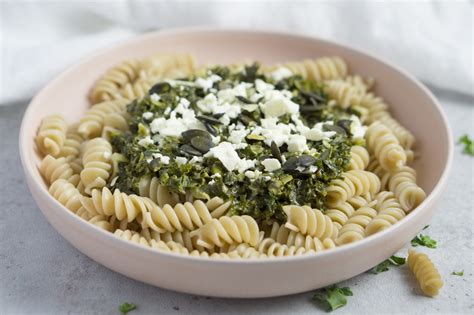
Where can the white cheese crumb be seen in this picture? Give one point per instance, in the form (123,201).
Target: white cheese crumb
(196,159)
(279,105)
(226,153)
(155,97)
(252,174)
(181,160)
(297,143)
(145,141)
(271,165)
(163,158)
(261,86)
(313,169)
(357,130)
(148,115)
(281,73)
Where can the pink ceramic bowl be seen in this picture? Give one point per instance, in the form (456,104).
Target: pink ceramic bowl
(412,104)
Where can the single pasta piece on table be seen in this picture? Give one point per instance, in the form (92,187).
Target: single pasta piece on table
(425,272)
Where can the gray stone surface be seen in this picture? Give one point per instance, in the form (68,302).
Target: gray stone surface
(40,273)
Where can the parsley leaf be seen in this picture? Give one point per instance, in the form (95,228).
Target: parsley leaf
(458,273)
(426,226)
(332,297)
(127,307)
(392,261)
(423,240)
(468,145)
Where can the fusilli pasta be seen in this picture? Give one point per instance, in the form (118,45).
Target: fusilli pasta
(51,135)
(425,272)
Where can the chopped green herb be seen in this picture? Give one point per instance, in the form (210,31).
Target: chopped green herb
(468,145)
(423,240)
(258,193)
(127,307)
(332,297)
(458,273)
(384,266)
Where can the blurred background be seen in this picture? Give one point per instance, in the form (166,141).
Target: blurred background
(431,39)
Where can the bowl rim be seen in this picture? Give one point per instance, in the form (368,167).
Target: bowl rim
(367,241)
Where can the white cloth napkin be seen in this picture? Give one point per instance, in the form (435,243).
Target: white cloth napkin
(431,39)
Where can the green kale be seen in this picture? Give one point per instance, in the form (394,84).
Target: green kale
(332,297)
(458,273)
(384,266)
(468,145)
(127,307)
(423,240)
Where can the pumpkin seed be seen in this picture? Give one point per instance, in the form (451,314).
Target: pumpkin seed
(310,109)
(275,151)
(212,130)
(202,144)
(334,128)
(324,155)
(243,99)
(255,137)
(189,150)
(345,124)
(291,164)
(160,88)
(246,120)
(209,120)
(316,97)
(219,115)
(306,160)
(188,135)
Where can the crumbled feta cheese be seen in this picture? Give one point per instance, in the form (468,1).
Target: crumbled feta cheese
(207,83)
(271,165)
(237,136)
(226,153)
(181,160)
(357,130)
(267,178)
(313,169)
(261,86)
(155,97)
(147,115)
(279,105)
(163,158)
(184,102)
(316,133)
(273,131)
(252,174)
(167,111)
(281,73)
(297,143)
(211,182)
(145,141)
(196,159)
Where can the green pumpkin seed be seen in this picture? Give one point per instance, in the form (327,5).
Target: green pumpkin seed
(306,160)
(191,133)
(255,137)
(212,130)
(202,144)
(275,151)
(189,150)
(209,120)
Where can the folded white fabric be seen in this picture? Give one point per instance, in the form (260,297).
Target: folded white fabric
(432,40)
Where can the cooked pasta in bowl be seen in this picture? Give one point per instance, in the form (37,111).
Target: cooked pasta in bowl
(236,163)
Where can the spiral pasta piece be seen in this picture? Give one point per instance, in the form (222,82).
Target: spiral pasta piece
(188,216)
(403,135)
(359,158)
(353,183)
(107,88)
(385,147)
(51,135)
(285,236)
(389,213)
(228,230)
(97,165)
(92,124)
(150,187)
(343,93)
(53,169)
(184,238)
(272,248)
(340,214)
(375,105)
(402,183)
(310,222)
(169,66)
(361,84)
(354,229)
(425,272)
(66,193)
(72,143)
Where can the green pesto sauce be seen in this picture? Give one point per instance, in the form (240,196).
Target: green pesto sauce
(263,197)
